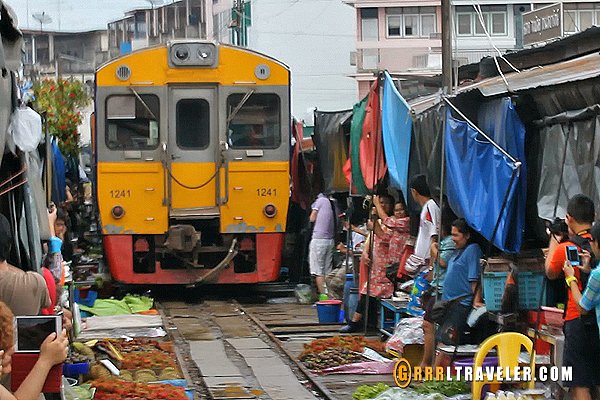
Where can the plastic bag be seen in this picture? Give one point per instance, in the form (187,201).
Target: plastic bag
(26,128)
(303,293)
(407,331)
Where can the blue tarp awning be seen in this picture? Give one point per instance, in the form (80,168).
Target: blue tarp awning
(397,131)
(480,176)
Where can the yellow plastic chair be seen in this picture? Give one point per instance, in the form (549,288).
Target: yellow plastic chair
(508,348)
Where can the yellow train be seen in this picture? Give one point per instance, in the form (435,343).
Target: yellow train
(192,147)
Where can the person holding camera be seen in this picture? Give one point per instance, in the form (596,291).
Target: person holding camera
(52,352)
(590,298)
(582,342)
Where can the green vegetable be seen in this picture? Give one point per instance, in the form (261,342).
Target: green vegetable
(447,388)
(366,392)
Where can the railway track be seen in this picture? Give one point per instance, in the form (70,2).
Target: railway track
(257,340)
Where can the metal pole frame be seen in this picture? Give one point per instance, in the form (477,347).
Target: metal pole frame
(375,174)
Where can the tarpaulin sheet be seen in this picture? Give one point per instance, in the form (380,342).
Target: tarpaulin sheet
(479,177)
(332,148)
(372,159)
(499,119)
(426,150)
(397,131)
(352,167)
(301,188)
(571,148)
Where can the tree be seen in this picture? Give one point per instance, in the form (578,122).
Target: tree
(61,101)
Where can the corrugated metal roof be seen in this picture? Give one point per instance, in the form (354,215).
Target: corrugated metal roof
(555,74)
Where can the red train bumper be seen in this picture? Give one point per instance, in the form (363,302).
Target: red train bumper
(118,250)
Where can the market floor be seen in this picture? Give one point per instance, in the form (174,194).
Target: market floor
(234,359)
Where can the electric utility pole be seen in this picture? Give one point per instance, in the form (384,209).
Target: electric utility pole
(447,45)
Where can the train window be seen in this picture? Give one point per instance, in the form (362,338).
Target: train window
(132,123)
(193,123)
(257,124)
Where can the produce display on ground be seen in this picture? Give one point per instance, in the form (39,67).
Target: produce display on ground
(147,360)
(330,358)
(352,343)
(366,392)
(116,389)
(447,388)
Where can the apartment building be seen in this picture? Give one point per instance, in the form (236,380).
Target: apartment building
(403,36)
(147,26)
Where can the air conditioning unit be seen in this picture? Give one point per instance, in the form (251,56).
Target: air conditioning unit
(353,58)
(435,35)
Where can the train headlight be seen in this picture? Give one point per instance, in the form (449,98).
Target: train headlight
(193,53)
(117,212)
(270,211)
(182,53)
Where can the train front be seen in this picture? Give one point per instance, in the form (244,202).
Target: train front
(192,153)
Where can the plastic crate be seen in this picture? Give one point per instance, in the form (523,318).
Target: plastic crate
(530,287)
(531,284)
(493,289)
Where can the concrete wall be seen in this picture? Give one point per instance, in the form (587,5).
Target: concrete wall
(315,38)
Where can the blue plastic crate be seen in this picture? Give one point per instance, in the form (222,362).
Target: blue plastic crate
(531,284)
(493,289)
(530,287)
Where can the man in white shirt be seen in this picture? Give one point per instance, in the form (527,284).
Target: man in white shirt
(429,219)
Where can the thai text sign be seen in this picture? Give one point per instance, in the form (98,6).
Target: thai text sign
(542,24)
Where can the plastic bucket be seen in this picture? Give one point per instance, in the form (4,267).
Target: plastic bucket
(328,311)
(468,362)
(350,297)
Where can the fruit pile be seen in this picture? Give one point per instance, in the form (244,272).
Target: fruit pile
(115,389)
(330,358)
(147,360)
(352,343)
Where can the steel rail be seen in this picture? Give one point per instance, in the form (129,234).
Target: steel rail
(323,391)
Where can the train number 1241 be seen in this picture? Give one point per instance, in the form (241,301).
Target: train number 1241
(265,192)
(120,193)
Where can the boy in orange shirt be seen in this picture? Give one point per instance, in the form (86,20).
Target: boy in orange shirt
(582,344)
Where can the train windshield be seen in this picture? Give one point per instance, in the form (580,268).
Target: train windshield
(257,124)
(132,122)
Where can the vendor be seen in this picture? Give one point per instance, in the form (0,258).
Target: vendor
(379,286)
(460,284)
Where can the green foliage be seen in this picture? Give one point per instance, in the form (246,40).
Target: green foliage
(447,388)
(61,101)
(365,392)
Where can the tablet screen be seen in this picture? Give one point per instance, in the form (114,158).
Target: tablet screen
(32,331)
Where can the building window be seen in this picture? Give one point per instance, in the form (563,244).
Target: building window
(579,17)
(464,24)
(428,25)
(493,20)
(410,22)
(394,25)
(193,124)
(411,25)
(369,24)
(370,59)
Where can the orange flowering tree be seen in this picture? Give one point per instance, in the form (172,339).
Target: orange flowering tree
(61,101)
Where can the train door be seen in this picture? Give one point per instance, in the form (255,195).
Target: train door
(192,152)
(256,187)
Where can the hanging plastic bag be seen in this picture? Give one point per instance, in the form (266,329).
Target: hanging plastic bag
(26,128)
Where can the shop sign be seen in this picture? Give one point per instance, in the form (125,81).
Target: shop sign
(542,24)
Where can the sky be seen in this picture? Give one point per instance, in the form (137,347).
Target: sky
(72,15)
